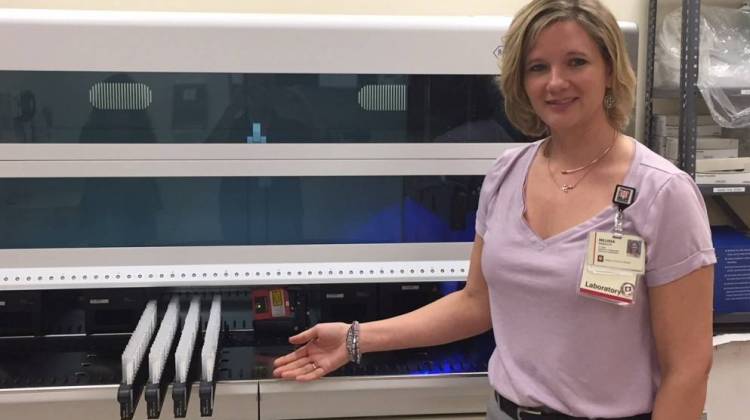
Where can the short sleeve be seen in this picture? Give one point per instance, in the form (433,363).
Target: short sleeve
(677,232)
(484,198)
(490,187)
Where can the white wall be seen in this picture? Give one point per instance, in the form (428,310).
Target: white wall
(628,10)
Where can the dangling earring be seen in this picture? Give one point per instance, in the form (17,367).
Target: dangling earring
(609,100)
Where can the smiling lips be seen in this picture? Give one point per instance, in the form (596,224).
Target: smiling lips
(560,104)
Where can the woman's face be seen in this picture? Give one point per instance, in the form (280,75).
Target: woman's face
(565,77)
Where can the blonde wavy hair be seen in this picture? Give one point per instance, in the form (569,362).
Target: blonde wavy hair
(601,26)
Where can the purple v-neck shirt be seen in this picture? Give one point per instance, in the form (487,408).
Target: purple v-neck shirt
(558,349)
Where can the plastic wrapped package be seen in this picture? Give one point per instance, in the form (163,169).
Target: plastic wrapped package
(724,61)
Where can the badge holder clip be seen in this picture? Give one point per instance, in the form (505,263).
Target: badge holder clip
(622,198)
(615,261)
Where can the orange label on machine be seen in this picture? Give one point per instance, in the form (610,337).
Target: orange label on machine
(271,303)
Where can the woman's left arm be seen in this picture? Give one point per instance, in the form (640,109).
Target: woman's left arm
(682,324)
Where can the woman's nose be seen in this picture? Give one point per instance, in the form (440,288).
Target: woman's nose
(557,79)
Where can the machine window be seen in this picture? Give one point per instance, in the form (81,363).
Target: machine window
(100,107)
(205,211)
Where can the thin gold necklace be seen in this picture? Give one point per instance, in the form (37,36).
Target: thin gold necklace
(589,166)
(566,187)
(596,159)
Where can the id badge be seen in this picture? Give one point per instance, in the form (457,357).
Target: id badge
(613,265)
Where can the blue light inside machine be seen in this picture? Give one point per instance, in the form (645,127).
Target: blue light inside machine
(423,225)
(383,226)
(407,222)
(415,224)
(454,364)
(448,287)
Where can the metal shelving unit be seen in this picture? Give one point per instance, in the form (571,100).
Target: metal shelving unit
(688,80)
(687,94)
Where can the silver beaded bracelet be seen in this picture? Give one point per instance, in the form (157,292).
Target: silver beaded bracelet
(352,343)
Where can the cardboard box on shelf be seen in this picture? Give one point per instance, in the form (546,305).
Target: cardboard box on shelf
(658,144)
(722,165)
(701,130)
(708,142)
(730,178)
(716,153)
(669,151)
(724,147)
(674,120)
(666,146)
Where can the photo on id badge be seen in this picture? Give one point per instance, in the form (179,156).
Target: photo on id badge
(633,248)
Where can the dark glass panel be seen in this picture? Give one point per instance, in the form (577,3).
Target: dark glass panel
(125,212)
(101,107)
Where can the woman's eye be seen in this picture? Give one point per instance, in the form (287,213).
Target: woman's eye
(577,62)
(536,68)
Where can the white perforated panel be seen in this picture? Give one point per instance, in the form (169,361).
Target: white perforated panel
(230,275)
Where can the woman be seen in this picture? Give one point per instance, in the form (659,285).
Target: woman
(566,76)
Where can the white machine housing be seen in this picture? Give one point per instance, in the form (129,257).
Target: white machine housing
(54,40)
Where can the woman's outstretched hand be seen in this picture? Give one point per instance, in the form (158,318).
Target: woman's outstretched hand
(323,350)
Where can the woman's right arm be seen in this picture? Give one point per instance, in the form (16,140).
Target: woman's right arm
(456,316)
